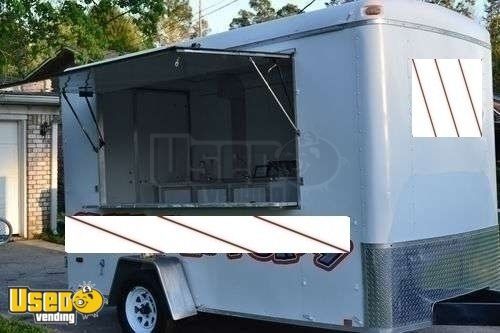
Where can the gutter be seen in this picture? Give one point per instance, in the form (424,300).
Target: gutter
(23,99)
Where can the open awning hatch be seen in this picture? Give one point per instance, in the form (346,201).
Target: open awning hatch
(144,70)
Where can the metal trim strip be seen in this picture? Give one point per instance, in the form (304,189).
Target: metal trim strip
(431,240)
(235,53)
(350,25)
(269,318)
(284,204)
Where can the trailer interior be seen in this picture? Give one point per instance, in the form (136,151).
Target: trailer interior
(191,127)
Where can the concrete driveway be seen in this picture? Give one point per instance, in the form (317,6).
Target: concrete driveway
(40,265)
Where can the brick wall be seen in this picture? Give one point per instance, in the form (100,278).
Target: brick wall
(39,151)
(33,87)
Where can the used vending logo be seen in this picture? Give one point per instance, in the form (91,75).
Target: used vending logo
(57,306)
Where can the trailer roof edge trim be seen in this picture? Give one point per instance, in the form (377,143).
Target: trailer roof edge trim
(377,21)
(178,49)
(279,55)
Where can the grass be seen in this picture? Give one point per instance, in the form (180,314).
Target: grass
(18,326)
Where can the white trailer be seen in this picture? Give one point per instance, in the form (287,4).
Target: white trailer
(334,112)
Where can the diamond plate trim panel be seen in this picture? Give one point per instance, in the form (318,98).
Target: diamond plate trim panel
(403,280)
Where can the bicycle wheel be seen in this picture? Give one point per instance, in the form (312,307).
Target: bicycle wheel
(5,231)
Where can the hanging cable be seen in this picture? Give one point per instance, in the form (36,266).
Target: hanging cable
(282,80)
(307,6)
(274,96)
(212,5)
(213,11)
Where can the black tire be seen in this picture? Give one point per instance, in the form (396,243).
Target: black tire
(164,322)
(5,231)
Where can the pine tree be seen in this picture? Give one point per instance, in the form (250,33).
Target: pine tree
(493,25)
(261,11)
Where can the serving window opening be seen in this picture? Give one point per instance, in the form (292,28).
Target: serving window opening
(197,128)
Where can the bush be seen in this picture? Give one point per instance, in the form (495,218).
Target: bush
(49,236)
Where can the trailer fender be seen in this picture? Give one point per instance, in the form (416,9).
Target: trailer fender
(170,274)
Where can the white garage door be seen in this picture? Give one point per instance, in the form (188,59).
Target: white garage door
(9,174)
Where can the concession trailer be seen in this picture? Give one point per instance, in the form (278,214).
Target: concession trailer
(377,110)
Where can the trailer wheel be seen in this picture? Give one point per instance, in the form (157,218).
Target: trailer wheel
(141,307)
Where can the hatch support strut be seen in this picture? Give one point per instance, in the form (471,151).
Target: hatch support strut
(297,131)
(85,94)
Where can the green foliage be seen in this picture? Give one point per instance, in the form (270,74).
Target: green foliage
(244,19)
(464,7)
(49,236)
(335,2)
(493,25)
(178,23)
(199,31)
(262,11)
(32,31)
(288,10)
(17,326)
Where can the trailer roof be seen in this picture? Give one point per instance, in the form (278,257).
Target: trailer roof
(180,49)
(165,65)
(410,14)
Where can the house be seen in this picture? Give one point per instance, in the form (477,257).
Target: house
(29,149)
(29,145)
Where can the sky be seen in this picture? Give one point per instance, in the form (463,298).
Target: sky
(220,19)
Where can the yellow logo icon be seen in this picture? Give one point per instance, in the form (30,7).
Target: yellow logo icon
(88,301)
(56,306)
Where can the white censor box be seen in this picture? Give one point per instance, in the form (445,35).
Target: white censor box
(207,234)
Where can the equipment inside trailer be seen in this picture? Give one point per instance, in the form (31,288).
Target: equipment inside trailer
(195,128)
